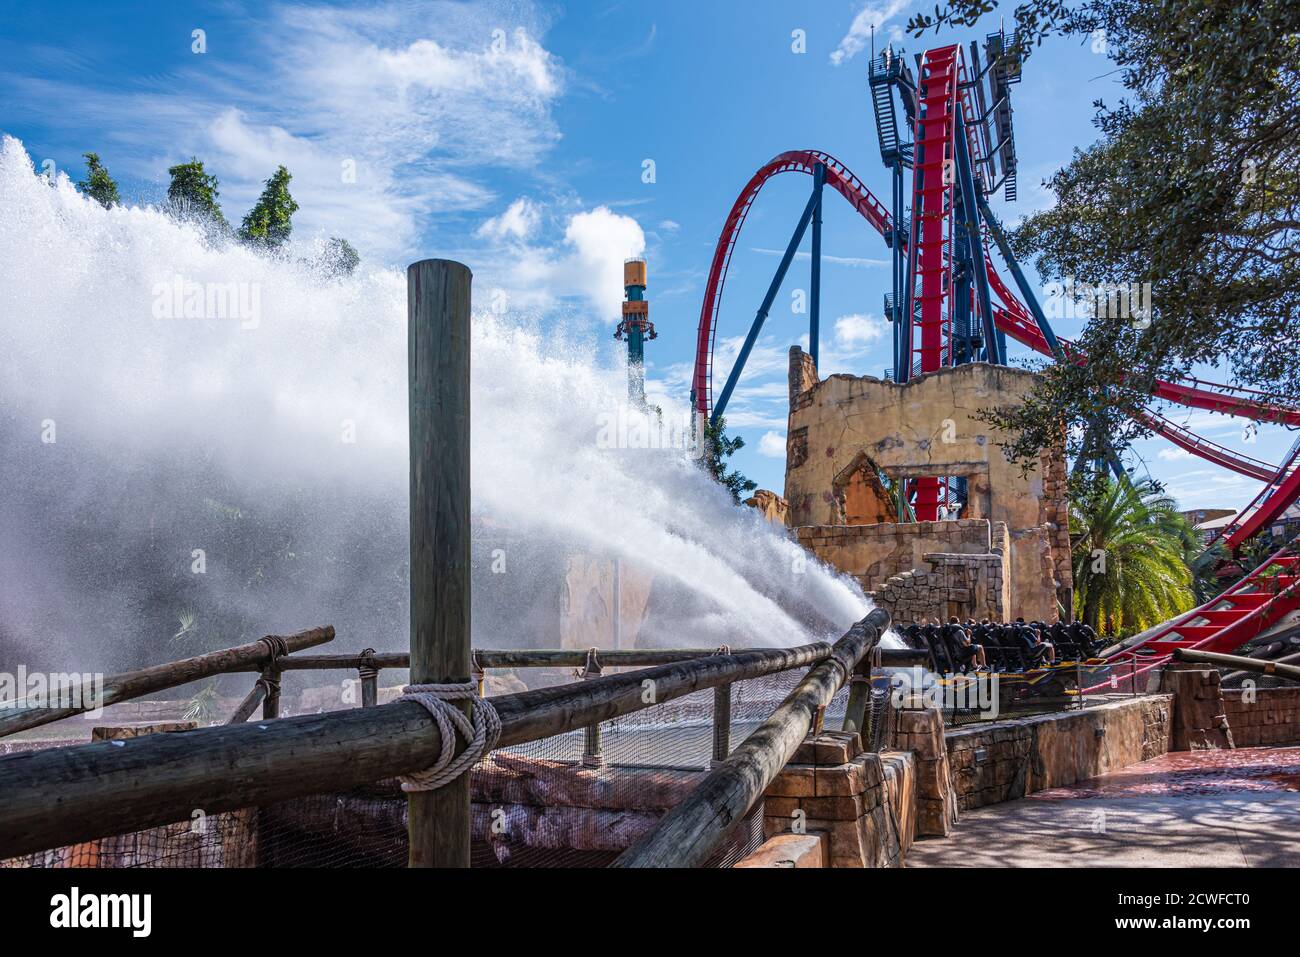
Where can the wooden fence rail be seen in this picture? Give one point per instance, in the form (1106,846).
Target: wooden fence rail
(23,715)
(61,796)
(689,833)
(558,658)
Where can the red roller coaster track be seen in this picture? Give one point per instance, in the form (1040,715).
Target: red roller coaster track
(1238,614)
(1013,318)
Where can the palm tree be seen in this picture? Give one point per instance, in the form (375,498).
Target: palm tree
(1131,556)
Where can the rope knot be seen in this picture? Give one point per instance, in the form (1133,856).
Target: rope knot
(275,646)
(479,731)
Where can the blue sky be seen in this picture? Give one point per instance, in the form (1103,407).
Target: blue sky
(513,136)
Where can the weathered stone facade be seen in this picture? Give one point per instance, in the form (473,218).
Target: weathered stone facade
(603,602)
(772,506)
(965,586)
(846,431)
(873,554)
(1200,718)
(1263,717)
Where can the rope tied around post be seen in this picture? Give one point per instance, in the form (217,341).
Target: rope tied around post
(276,646)
(366,664)
(480,732)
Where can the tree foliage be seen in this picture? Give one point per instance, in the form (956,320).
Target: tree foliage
(1132,556)
(270,221)
(338,258)
(718,447)
(192,194)
(98,185)
(1193,187)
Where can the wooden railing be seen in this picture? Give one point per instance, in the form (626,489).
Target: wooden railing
(255,656)
(117,787)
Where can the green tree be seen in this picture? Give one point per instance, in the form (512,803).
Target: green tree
(1193,187)
(269,222)
(718,447)
(192,194)
(98,185)
(1131,568)
(338,258)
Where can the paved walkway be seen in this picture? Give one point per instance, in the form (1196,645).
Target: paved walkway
(1190,809)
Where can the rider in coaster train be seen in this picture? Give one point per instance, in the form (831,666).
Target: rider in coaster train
(967,652)
(1036,649)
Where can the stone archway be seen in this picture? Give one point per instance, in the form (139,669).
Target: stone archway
(860,497)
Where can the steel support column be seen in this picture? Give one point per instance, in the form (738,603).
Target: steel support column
(815,294)
(760,317)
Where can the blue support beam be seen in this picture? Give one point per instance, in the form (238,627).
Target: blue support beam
(909,281)
(899,270)
(994,345)
(815,294)
(720,405)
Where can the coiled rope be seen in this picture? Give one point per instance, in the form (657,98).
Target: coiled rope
(481,731)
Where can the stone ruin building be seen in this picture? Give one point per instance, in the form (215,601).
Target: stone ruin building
(1004,554)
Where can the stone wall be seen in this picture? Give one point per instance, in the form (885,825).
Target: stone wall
(920,730)
(1003,760)
(874,553)
(1264,717)
(863,804)
(929,426)
(1200,719)
(967,586)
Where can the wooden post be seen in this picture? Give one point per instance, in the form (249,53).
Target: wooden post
(438,335)
(368,675)
(249,704)
(271,705)
(855,710)
(721,724)
(1277,669)
(593,749)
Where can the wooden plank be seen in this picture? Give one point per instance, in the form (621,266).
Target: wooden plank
(689,833)
(438,354)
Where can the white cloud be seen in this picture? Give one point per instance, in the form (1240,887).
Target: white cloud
(417,105)
(670,225)
(772,444)
(601,239)
(1173,454)
(519,221)
(858,329)
(875,14)
(587,262)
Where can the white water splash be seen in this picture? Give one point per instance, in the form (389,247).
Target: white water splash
(275,446)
